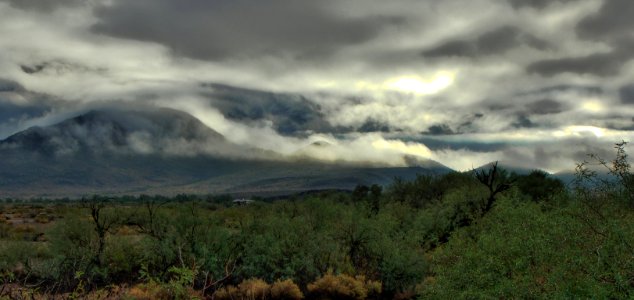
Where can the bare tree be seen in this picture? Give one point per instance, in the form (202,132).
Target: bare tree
(104,223)
(496,180)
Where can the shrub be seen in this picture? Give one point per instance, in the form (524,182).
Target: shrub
(539,186)
(250,289)
(254,289)
(148,291)
(227,293)
(343,287)
(286,290)
(42,218)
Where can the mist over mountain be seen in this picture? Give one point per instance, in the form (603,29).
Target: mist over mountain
(158,150)
(289,113)
(116,130)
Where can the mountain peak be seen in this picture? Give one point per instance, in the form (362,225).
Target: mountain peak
(106,129)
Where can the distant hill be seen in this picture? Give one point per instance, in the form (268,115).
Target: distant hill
(507,167)
(115,130)
(164,151)
(567,177)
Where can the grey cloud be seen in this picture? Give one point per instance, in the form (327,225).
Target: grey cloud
(468,125)
(32,69)
(493,42)
(441,129)
(58,67)
(11,113)
(453,48)
(372,125)
(291,114)
(612,25)
(523,121)
(43,5)
(622,124)
(18,106)
(600,64)
(10,86)
(223,29)
(627,94)
(535,3)
(545,107)
(586,89)
(558,156)
(436,143)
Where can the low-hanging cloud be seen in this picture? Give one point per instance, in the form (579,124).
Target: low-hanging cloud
(493,42)
(221,29)
(611,25)
(461,82)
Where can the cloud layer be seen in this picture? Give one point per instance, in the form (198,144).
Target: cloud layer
(536,83)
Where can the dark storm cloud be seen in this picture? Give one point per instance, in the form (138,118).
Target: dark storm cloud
(11,113)
(371,125)
(493,42)
(222,29)
(32,69)
(291,114)
(58,67)
(467,126)
(545,154)
(438,143)
(535,3)
(523,121)
(627,94)
(42,5)
(611,25)
(584,89)
(545,107)
(28,106)
(601,64)
(440,129)
(10,86)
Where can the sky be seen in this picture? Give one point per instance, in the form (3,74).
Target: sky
(532,83)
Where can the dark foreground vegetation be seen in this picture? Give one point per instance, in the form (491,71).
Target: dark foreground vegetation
(482,234)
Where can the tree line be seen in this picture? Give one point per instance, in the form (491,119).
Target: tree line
(480,234)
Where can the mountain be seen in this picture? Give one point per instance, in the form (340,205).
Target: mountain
(508,167)
(115,130)
(567,177)
(112,151)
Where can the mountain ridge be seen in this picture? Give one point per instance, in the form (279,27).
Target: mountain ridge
(164,151)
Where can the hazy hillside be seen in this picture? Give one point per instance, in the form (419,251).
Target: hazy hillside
(164,151)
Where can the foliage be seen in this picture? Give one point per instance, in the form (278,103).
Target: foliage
(258,289)
(343,287)
(483,234)
(539,186)
(619,182)
(286,290)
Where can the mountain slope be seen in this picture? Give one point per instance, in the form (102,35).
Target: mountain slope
(163,151)
(115,130)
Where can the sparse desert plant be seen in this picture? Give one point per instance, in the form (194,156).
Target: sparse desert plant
(343,286)
(619,183)
(286,290)
(229,292)
(250,289)
(147,291)
(42,218)
(254,289)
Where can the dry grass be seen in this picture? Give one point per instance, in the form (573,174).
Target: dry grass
(343,286)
